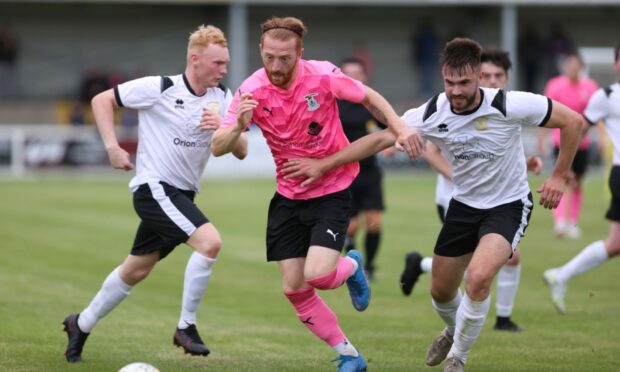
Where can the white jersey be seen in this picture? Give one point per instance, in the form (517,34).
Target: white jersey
(484,145)
(605,105)
(171,147)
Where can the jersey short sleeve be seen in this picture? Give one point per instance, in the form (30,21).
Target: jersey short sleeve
(598,107)
(414,118)
(528,108)
(231,115)
(345,87)
(139,93)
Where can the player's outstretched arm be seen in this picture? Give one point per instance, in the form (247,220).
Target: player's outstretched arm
(407,139)
(434,158)
(241,150)
(225,140)
(313,169)
(103,105)
(571,127)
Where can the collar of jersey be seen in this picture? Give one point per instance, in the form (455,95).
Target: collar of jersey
(189,87)
(472,110)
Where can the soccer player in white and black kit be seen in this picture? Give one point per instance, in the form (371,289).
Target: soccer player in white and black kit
(604,105)
(480,128)
(493,74)
(177,117)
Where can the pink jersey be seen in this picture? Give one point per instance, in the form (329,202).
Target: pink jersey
(573,95)
(303,121)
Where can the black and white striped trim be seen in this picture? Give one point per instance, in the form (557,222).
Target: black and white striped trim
(175,215)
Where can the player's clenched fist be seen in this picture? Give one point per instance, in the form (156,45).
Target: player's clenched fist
(209,120)
(410,141)
(244,109)
(119,159)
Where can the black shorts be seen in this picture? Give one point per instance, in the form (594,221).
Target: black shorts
(169,216)
(613,213)
(367,191)
(465,226)
(580,163)
(442,213)
(294,225)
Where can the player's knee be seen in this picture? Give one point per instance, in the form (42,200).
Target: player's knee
(515,259)
(374,228)
(209,247)
(478,284)
(442,294)
(311,274)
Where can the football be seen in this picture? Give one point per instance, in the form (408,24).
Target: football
(138,367)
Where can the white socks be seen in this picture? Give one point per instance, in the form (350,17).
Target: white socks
(112,292)
(197,275)
(590,257)
(470,318)
(447,311)
(507,285)
(345,348)
(426,264)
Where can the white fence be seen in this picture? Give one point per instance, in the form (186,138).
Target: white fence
(30,149)
(27,149)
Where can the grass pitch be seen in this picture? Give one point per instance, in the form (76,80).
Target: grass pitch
(59,238)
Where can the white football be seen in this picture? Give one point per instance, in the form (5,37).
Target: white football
(138,367)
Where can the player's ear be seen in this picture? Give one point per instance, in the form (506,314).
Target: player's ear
(193,58)
(300,53)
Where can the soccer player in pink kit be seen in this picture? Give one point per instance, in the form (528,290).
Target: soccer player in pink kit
(293,101)
(574,91)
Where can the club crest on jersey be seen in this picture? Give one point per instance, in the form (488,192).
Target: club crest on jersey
(213,106)
(313,105)
(314,128)
(481,124)
(443,128)
(179,103)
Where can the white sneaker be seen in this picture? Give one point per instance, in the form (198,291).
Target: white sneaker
(558,289)
(573,232)
(559,229)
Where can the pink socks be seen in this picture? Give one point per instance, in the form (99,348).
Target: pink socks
(575,209)
(316,315)
(558,213)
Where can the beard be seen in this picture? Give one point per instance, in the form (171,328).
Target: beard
(279,78)
(464,102)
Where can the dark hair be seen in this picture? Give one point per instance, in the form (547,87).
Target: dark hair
(461,53)
(353,60)
(497,57)
(617,55)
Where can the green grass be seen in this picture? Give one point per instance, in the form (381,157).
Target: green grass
(61,237)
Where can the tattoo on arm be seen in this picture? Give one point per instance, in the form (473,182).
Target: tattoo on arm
(377,113)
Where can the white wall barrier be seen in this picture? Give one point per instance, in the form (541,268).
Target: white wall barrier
(27,149)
